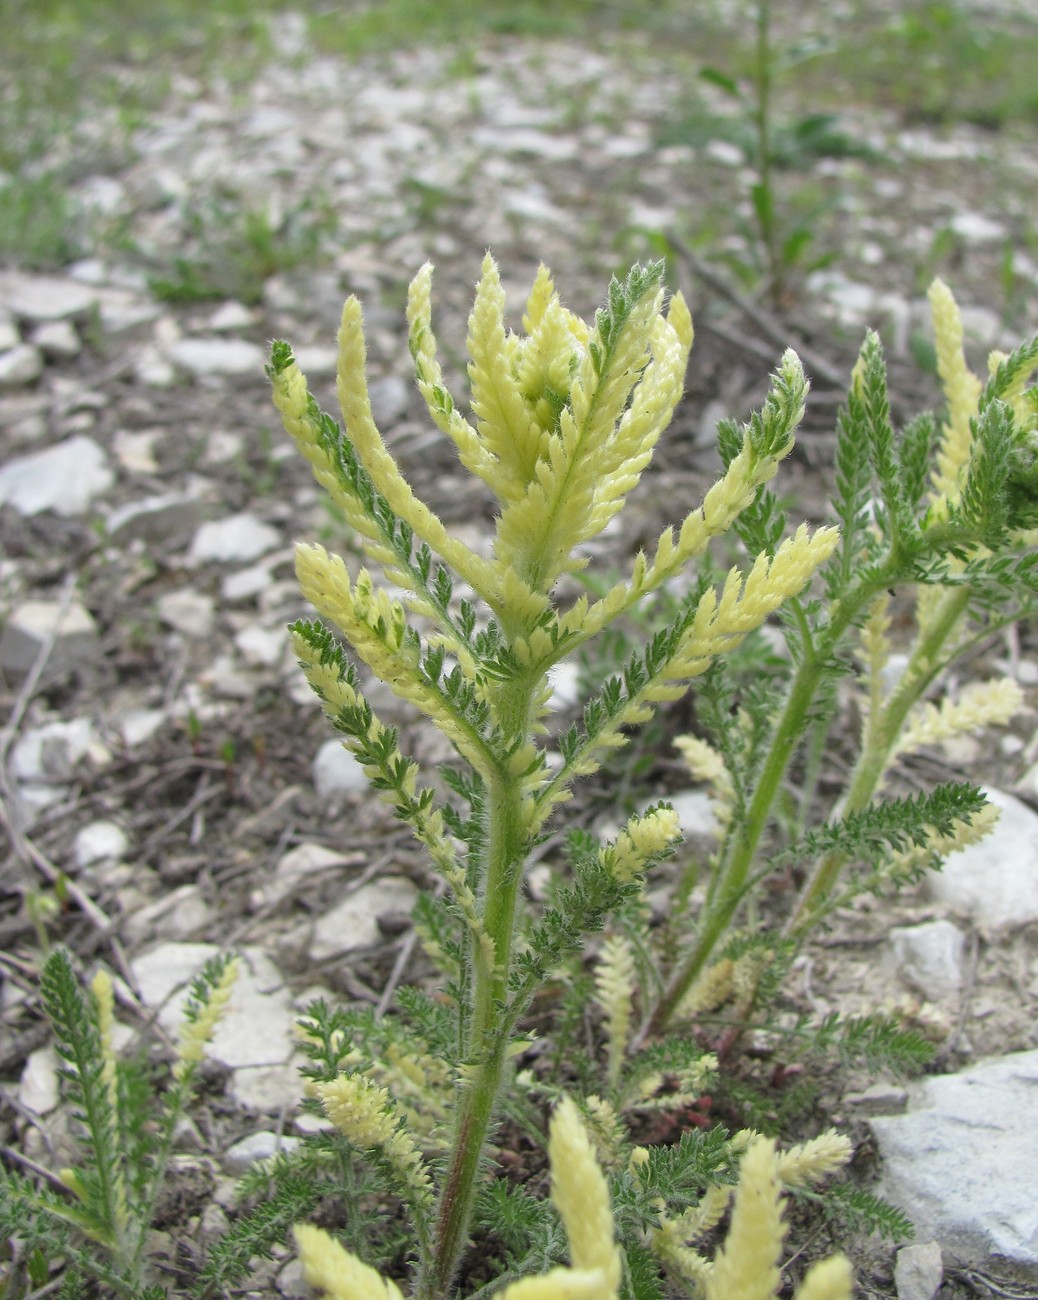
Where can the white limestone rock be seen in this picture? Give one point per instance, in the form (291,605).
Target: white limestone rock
(240,1157)
(65,478)
(138,725)
(336,772)
(188,612)
(976,228)
(230,316)
(994,883)
(262,647)
(32,624)
(695,812)
(58,340)
(565,686)
(217,358)
(9,335)
(389,397)
(41,298)
(918,1271)
(240,537)
(353,923)
(52,752)
(180,914)
(38,1089)
(161,518)
(100,841)
(929,957)
(962,1162)
(21,365)
(255,1038)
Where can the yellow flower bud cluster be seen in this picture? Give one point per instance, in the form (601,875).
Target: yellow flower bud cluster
(581,1196)
(747,1266)
(978,704)
(196,1033)
(331,1268)
(365,1114)
(905,864)
(643,838)
(705,764)
(614,992)
(961,392)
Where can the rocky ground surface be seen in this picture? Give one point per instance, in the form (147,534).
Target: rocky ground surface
(160,749)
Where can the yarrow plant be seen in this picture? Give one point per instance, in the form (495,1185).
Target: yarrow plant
(565,418)
(937,520)
(125,1135)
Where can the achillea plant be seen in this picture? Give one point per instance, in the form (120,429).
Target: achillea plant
(125,1135)
(939,517)
(565,418)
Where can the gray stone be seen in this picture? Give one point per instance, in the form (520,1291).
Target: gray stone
(189,612)
(305,860)
(257,1029)
(263,647)
(41,298)
(58,340)
(695,811)
(353,923)
(38,1086)
(9,336)
(136,451)
(64,478)
(389,397)
(995,882)
(230,316)
(878,1098)
(565,683)
(100,841)
(337,772)
(254,1148)
(963,1161)
(239,537)
(218,358)
(34,622)
(138,725)
(245,584)
(291,1283)
(976,228)
(918,1271)
(929,957)
(180,914)
(52,752)
(21,365)
(160,518)
(321,363)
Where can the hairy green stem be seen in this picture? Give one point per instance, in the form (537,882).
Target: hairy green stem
(730,881)
(487,1046)
(881,736)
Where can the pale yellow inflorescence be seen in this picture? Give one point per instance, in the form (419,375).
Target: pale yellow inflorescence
(747,1268)
(195,1034)
(338,1273)
(643,838)
(706,764)
(812,1161)
(963,834)
(365,1114)
(581,1196)
(961,391)
(614,992)
(977,704)
(104,999)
